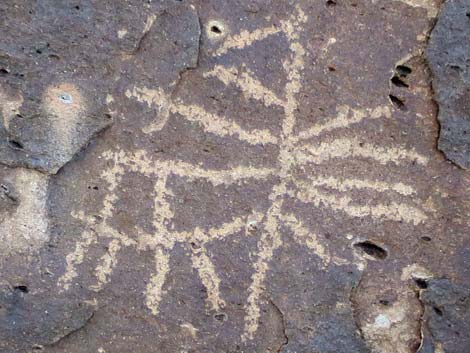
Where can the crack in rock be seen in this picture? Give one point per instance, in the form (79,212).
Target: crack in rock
(283,321)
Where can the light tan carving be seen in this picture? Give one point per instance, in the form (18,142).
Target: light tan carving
(295,150)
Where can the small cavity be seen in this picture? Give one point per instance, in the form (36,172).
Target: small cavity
(425,238)
(215,29)
(21,288)
(421,283)
(397,102)
(403,70)
(331,3)
(252,224)
(66,98)
(397,81)
(372,249)
(15,145)
(221,317)
(4,71)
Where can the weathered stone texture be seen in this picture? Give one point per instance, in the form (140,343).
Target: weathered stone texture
(226,176)
(449,58)
(446,316)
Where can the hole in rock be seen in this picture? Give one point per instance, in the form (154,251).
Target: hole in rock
(215,29)
(397,102)
(221,317)
(372,249)
(421,283)
(15,144)
(403,70)
(397,81)
(21,288)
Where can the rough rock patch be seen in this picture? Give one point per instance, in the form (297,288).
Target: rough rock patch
(449,58)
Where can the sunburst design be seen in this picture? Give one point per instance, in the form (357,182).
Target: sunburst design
(295,151)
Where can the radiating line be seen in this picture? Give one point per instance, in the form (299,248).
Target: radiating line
(246,38)
(221,126)
(269,242)
(346,117)
(343,148)
(208,275)
(138,161)
(108,262)
(304,236)
(393,211)
(346,184)
(154,290)
(250,86)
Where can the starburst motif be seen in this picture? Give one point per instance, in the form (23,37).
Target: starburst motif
(296,150)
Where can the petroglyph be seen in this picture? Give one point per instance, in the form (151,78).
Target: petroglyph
(245,81)
(221,126)
(246,38)
(343,148)
(211,123)
(346,117)
(295,150)
(349,184)
(154,98)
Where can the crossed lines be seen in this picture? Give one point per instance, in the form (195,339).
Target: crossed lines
(295,150)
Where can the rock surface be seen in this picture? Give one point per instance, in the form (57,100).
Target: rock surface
(449,58)
(237,176)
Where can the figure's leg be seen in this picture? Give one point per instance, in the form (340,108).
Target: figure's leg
(75,258)
(206,270)
(269,242)
(108,262)
(154,289)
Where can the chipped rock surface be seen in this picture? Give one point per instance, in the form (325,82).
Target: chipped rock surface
(231,176)
(449,59)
